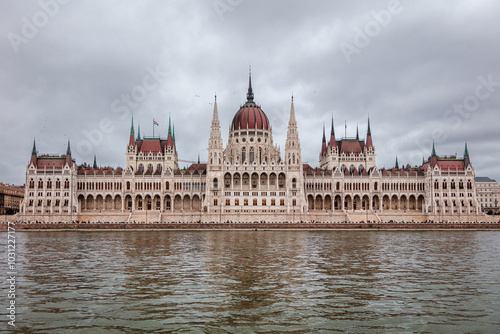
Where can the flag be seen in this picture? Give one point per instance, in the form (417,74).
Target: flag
(155,123)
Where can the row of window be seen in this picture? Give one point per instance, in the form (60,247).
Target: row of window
(48,202)
(444,185)
(48,184)
(99,185)
(255,202)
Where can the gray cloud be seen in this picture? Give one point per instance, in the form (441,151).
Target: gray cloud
(66,78)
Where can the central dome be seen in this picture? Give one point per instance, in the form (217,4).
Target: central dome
(250,115)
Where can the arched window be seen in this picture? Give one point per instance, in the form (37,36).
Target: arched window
(141,168)
(227,180)
(58,184)
(243,155)
(66,184)
(150,168)
(246,179)
(255,180)
(167,186)
(342,168)
(40,184)
(444,185)
(49,184)
(32,184)
(236,179)
(360,169)
(128,185)
(351,169)
(281,180)
(215,184)
(251,155)
(294,183)
(159,167)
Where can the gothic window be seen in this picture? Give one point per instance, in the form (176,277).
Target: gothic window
(228,202)
(444,185)
(342,168)
(159,167)
(243,155)
(281,180)
(255,180)
(351,169)
(32,184)
(272,179)
(215,183)
(227,180)
(128,185)
(150,168)
(141,168)
(236,179)
(49,184)
(251,155)
(167,186)
(263,179)
(246,178)
(40,184)
(66,184)
(255,201)
(294,183)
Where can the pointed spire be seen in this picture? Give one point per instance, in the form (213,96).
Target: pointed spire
(139,131)
(333,143)
(95,162)
(33,151)
(132,126)
(323,143)
(433,154)
(68,150)
(198,158)
(369,142)
(250,91)
(397,164)
(357,132)
(292,114)
(131,141)
(169,124)
(173,132)
(466,156)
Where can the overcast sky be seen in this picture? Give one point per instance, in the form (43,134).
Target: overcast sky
(421,70)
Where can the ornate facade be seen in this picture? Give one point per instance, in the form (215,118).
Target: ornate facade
(250,180)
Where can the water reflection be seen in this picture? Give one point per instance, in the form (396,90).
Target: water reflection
(259,281)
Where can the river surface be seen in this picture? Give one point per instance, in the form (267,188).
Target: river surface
(255,282)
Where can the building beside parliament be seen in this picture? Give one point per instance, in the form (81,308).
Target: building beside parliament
(250,179)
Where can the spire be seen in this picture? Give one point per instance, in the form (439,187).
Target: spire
(323,143)
(139,132)
(131,140)
(173,132)
(95,162)
(357,132)
(33,151)
(68,150)
(333,143)
(466,156)
(397,164)
(433,154)
(250,91)
(169,127)
(369,142)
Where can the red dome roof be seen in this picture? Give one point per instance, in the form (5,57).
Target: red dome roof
(250,116)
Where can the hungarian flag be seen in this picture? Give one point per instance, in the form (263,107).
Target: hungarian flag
(155,123)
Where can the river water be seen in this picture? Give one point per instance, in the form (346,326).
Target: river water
(256,282)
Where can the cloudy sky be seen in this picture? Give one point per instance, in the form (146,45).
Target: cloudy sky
(422,71)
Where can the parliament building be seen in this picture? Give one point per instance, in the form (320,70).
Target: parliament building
(250,179)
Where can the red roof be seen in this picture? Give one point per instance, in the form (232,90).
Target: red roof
(250,116)
(50,162)
(349,146)
(451,165)
(150,145)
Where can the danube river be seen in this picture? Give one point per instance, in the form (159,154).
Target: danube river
(256,282)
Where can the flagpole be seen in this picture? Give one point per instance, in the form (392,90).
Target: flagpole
(153,127)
